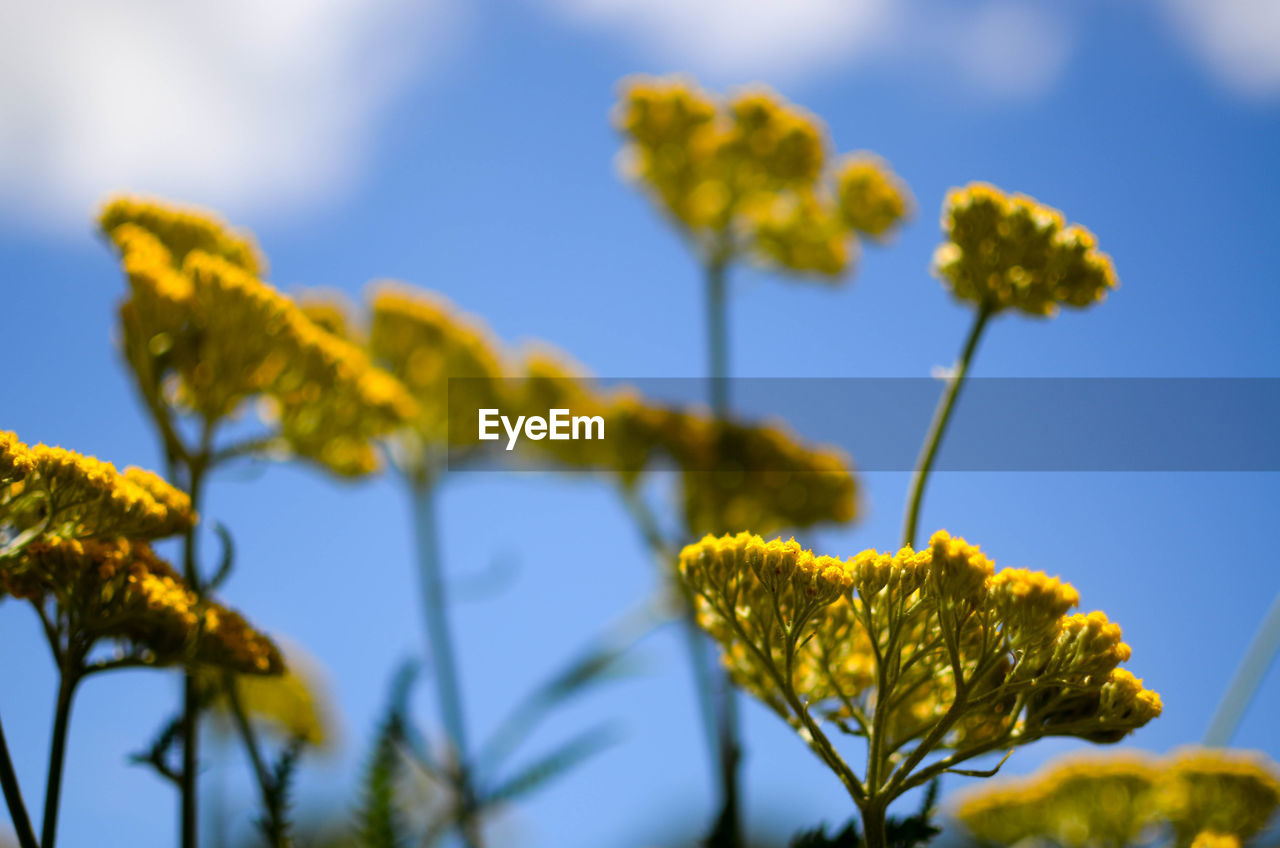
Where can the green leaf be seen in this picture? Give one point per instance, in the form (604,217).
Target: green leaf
(545,769)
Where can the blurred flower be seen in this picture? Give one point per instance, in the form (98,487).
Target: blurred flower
(747,178)
(1007,251)
(1208,798)
(198,313)
(294,705)
(426,344)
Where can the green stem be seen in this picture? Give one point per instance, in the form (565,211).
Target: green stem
(190,815)
(941,417)
(67,679)
(1262,650)
(271,820)
(727,734)
(440,645)
(13,797)
(873,824)
(718,336)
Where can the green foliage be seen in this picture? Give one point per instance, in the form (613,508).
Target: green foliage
(909,832)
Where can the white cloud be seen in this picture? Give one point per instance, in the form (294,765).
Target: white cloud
(239,104)
(1239,40)
(993,47)
(732,38)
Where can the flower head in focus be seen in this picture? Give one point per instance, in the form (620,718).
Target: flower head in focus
(1011,252)
(971,659)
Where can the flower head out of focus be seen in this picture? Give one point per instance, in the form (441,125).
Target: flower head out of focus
(1011,252)
(1200,797)
(750,176)
(967,659)
(203,333)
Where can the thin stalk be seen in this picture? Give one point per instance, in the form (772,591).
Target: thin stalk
(190,810)
(1244,684)
(727,732)
(266,782)
(440,646)
(13,797)
(941,417)
(67,679)
(718,337)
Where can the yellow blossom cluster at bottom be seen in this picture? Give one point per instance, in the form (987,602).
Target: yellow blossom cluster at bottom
(1204,798)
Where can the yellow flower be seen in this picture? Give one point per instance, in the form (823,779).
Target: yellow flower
(872,199)
(180,230)
(802,232)
(755,475)
(119,590)
(426,344)
(1207,798)
(969,658)
(747,178)
(1007,252)
(198,312)
(79,497)
(1229,793)
(15,458)
(1081,800)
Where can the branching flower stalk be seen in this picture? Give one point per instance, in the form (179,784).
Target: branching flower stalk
(745,180)
(204,336)
(1004,252)
(79,554)
(932,657)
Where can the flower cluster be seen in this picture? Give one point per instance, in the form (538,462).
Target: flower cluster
(917,650)
(120,590)
(426,343)
(61,493)
(1201,797)
(750,176)
(76,535)
(1011,252)
(198,311)
(733,474)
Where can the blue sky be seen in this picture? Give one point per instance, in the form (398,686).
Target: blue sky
(467,148)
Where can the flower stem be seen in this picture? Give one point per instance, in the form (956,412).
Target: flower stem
(13,797)
(190,815)
(1244,685)
(727,733)
(873,824)
(941,417)
(440,645)
(67,679)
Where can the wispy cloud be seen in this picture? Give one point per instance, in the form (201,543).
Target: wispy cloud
(997,47)
(1238,40)
(240,104)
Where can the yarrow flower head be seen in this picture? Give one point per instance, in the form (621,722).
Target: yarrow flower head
(119,590)
(1204,797)
(1011,252)
(971,659)
(204,333)
(749,176)
(57,492)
